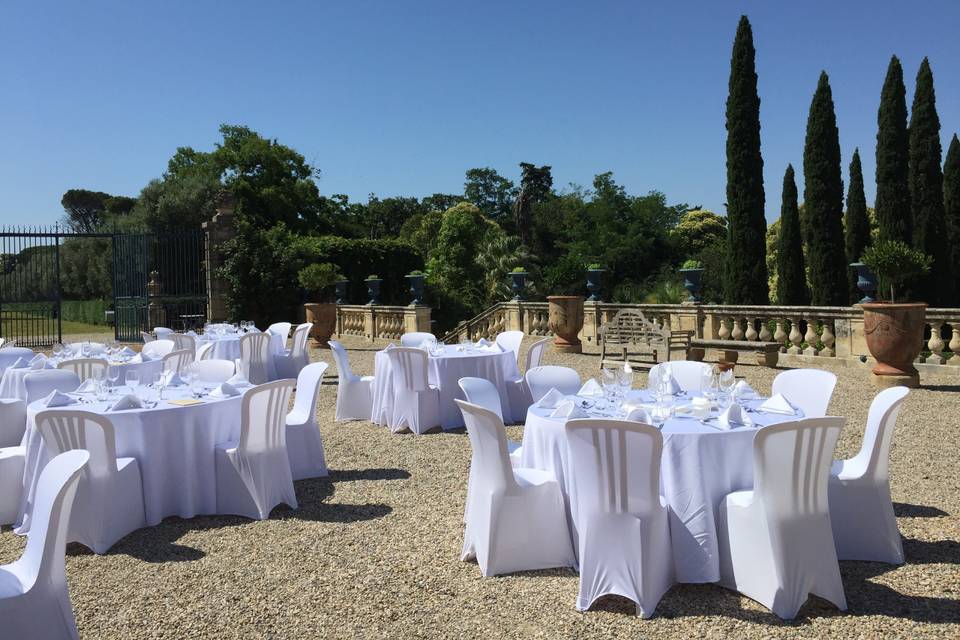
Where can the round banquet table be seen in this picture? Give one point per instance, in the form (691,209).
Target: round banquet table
(227,347)
(174,446)
(11,383)
(700,465)
(12,386)
(444,372)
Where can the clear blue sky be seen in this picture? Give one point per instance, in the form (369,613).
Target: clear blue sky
(400,98)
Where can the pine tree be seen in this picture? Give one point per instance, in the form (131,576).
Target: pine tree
(791,273)
(857,227)
(951,208)
(823,199)
(745,278)
(893,193)
(926,192)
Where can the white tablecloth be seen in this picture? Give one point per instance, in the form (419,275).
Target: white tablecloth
(700,465)
(228,348)
(11,384)
(444,372)
(174,446)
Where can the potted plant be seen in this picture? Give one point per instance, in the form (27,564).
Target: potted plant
(342,290)
(316,279)
(866,281)
(565,320)
(593,281)
(692,272)
(518,275)
(373,288)
(894,330)
(416,285)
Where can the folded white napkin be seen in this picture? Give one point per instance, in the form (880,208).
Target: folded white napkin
(568,410)
(192,334)
(38,359)
(146,357)
(778,404)
(731,418)
(224,390)
(58,399)
(127,351)
(639,414)
(87,386)
(20,364)
(743,390)
(128,401)
(173,379)
(591,389)
(674,386)
(550,400)
(483,342)
(238,380)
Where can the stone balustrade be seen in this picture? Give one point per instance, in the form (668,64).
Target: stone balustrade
(381,321)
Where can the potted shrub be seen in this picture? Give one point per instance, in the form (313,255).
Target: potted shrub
(593,281)
(373,288)
(894,330)
(692,272)
(416,285)
(866,281)
(518,275)
(316,279)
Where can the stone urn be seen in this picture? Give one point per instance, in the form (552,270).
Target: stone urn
(416,287)
(323,315)
(691,282)
(894,333)
(565,320)
(866,281)
(373,290)
(341,286)
(594,282)
(518,283)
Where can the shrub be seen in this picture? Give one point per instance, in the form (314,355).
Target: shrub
(315,278)
(692,264)
(895,264)
(85,311)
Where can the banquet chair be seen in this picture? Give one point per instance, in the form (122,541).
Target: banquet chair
(162,333)
(510,341)
(297,356)
(253,473)
(484,393)
(354,393)
(281,329)
(517,390)
(515,517)
(775,541)
(809,390)
(157,349)
(304,444)
(183,342)
(215,371)
(416,403)
(39,384)
(93,348)
(177,361)
(254,352)
(688,373)
(146,337)
(622,523)
(12,463)
(10,355)
(205,351)
(541,379)
(109,503)
(13,421)
(34,600)
(85,368)
(415,338)
(861,510)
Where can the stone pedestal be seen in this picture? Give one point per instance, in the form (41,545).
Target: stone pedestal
(416,318)
(218,230)
(885,382)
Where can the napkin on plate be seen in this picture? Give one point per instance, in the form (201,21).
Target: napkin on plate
(778,404)
(591,389)
(87,386)
(224,390)
(57,399)
(128,401)
(743,390)
(238,380)
(550,400)
(567,409)
(731,418)
(20,364)
(639,414)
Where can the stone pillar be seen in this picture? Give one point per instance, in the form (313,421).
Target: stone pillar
(369,322)
(592,319)
(416,318)
(156,316)
(218,230)
(514,315)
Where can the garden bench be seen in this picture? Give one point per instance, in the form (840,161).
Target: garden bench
(767,352)
(630,332)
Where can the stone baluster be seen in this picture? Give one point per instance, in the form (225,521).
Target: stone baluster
(795,337)
(751,334)
(828,339)
(737,333)
(935,344)
(811,338)
(954,343)
(765,334)
(780,335)
(724,332)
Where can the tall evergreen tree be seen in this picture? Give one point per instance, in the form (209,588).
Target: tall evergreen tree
(745,278)
(857,227)
(893,193)
(791,272)
(926,191)
(823,200)
(951,208)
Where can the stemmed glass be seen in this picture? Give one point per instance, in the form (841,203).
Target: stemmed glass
(132,380)
(113,375)
(608,378)
(159,383)
(191,375)
(661,412)
(57,351)
(85,349)
(625,380)
(727,381)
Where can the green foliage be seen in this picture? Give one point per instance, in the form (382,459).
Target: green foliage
(745,280)
(564,276)
(691,264)
(85,311)
(497,252)
(518,270)
(823,200)
(417,272)
(421,231)
(856,224)
(951,207)
(893,195)
(594,266)
(86,268)
(791,273)
(536,186)
(371,277)
(316,277)
(492,193)
(89,211)
(697,230)
(666,290)
(926,192)
(895,264)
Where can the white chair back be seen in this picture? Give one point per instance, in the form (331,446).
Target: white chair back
(158,348)
(542,379)
(490,469)
(93,348)
(807,389)
(281,329)
(308,390)
(39,384)
(183,342)
(9,355)
(66,430)
(482,393)
(162,333)
(300,337)
(263,417)
(535,353)
(688,373)
(409,369)
(510,341)
(146,337)
(254,352)
(215,371)
(415,338)
(873,459)
(344,372)
(205,351)
(177,360)
(85,368)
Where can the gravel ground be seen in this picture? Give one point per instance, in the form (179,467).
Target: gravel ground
(373,550)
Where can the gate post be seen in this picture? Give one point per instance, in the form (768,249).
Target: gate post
(218,230)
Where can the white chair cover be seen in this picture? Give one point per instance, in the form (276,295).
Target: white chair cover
(177,361)
(688,373)
(215,371)
(510,341)
(9,355)
(183,342)
(205,351)
(416,404)
(281,329)
(162,333)
(254,353)
(40,383)
(776,544)
(304,444)
(34,600)
(623,523)
(807,389)
(12,462)
(109,503)
(354,395)
(146,337)
(290,363)
(85,368)
(484,393)
(13,421)
(861,510)
(541,379)
(517,390)
(158,348)
(415,338)
(253,474)
(515,517)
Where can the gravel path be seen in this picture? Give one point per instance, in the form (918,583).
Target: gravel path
(373,550)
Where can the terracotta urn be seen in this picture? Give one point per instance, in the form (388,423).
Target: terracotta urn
(323,315)
(565,320)
(894,333)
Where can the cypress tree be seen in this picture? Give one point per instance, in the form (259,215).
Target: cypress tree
(926,191)
(893,193)
(745,278)
(857,227)
(951,209)
(791,273)
(823,200)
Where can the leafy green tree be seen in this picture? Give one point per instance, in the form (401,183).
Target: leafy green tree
(926,192)
(823,200)
(746,271)
(491,192)
(857,223)
(791,273)
(951,207)
(84,210)
(893,191)
(421,230)
(536,185)
(499,254)
(697,230)
(385,218)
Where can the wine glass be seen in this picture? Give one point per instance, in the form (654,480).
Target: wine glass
(132,380)
(727,381)
(113,375)
(660,413)
(85,349)
(57,350)
(159,383)
(608,378)
(625,380)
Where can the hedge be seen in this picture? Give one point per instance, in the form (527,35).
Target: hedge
(85,311)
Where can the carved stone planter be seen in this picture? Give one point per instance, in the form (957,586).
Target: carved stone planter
(323,315)
(866,282)
(565,320)
(373,290)
(416,287)
(691,282)
(342,291)
(894,334)
(594,284)
(518,283)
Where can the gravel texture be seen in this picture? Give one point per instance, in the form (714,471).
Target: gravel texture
(373,550)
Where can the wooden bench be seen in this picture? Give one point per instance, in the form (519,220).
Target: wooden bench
(630,331)
(767,352)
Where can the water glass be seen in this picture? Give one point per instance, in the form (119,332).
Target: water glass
(57,350)
(132,381)
(113,375)
(660,413)
(159,383)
